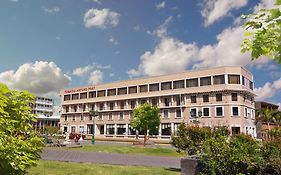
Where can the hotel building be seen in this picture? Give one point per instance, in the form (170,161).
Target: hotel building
(213,97)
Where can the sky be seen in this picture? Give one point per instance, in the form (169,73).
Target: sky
(47,46)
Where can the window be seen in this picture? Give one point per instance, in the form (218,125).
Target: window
(235,111)
(166,113)
(101,93)
(143,88)
(246,112)
(219,111)
(111,92)
(132,89)
(121,116)
(73,118)
(122,104)
(233,79)
(122,91)
(193,99)
(205,81)
(81,117)
(179,100)
(192,82)
(101,106)
(178,84)
(111,105)
(133,104)
(75,108)
(178,113)
(83,95)
(243,80)
(84,107)
(166,85)
(65,118)
(167,101)
(251,85)
(75,96)
(66,97)
(218,97)
(143,101)
(206,112)
(205,98)
(219,79)
(110,116)
(193,112)
(67,109)
(100,116)
(234,96)
(72,129)
(154,87)
(92,94)
(154,101)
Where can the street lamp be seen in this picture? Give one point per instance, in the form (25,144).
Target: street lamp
(94,114)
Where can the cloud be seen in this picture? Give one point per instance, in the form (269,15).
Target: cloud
(268,90)
(111,75)
(14,0)
(161,5)
(101,18)
(96,77)
(137,27)
(41,78)
(113,40)
(51,10)
(161,30)
(98,2)
(214,10)
(86,70)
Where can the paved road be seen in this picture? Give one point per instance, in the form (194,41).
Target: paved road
(109,158)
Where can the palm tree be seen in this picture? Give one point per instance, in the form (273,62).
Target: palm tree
(277,118)
(265,115)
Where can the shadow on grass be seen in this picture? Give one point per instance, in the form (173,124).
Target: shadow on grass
(173,169)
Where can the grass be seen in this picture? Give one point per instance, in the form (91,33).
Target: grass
(125,149)
(70,168)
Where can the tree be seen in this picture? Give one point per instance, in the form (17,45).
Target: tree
(19,144)
(265,115)
(146,117)
(263,36)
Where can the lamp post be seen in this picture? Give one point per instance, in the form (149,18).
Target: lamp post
(94,114)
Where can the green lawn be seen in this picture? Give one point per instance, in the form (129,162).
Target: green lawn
(69,168)
(124,149)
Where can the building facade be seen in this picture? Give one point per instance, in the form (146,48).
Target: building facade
(213,97)
(43,109)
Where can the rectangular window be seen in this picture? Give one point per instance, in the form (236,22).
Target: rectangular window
(166,113)
(192,82)
(121,116)
(143,101)
(100,116)
(75,96)
(101,106)
(219,79)
(122,104)
(251,85)
(233,79)
(65,118)
(66,97)
(73,118)
(205,98)
(81,117)
(205,81)
(111,105)
(243,80)
(234,96)
(246,113)
(101,93)
(92,94)
(75,108)
(178,84)
(110,116)
(111,92)
(122,91)
(154,87)
(167,101)
(193,98)
(83,95)
(67,109)
(143,88)
(72,129)
(154,101)
(193,112)
(178,113)
(218,97)
(206,112)
(166,85)
(133,104)
(133,90)
(219,111)
(235,111)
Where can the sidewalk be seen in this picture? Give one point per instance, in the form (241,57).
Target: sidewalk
(109,158)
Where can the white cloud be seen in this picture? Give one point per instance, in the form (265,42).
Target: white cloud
(101,18)
(51,10)
(137,27)
(111,75)
(96,77)
(213,10)
(14,0)
(98,2)
(58,38)
(113,40)
(40,78)
(268,90)
(161,31)
(161,5)
(265,4)
(86,70)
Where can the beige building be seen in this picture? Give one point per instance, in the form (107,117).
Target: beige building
(213,97)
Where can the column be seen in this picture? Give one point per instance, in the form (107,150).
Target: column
(127,129)
(115,129)
(172,129)
(159,131)
(104,130)
(226,78)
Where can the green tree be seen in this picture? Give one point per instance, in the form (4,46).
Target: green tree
(266,116)
(146,117)
(19,144)
(263,36)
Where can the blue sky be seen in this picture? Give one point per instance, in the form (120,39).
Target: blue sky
(46,46)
